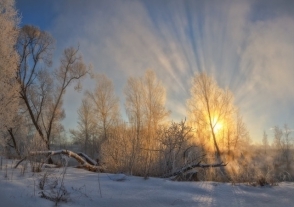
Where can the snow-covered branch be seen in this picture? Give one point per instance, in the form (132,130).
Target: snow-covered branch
(190,167)
(85,161)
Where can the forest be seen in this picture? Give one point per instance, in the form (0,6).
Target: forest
(211,143)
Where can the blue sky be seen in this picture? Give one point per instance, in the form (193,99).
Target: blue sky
(248,46)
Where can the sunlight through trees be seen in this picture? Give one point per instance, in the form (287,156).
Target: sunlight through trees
(211,143)
(212,113)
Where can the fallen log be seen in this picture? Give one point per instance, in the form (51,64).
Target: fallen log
(190,167)
(83,162)
(87,158)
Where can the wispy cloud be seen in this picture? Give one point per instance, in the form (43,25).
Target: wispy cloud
(246,47)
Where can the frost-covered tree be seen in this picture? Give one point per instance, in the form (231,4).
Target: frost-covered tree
(84,134)
(217,123)
(283,145)
(154,95)
(105,107)
(8,63)
(145,106)
(42,89)
(210,107)
(134,109)
(176,146)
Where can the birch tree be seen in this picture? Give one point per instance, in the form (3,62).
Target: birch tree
(155,112)
(85,132)
(134,109)
(105,107)
(145,106)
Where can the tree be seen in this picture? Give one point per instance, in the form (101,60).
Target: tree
(18,135)
(210,107)
(235,135)
(8,63)
(117,149)
(40,91)
(265,142)
(85,132)
(154,95)
(134,108)
(177,148)
(106,107)
(145,106)
(283,146)
(155,112)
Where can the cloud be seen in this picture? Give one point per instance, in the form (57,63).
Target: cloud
(246,47)
(268,67)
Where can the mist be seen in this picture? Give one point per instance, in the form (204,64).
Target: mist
(246,45)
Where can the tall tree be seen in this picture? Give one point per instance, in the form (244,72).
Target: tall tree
(8,63)
(134,108)
(145,106)
(154,95)
(85,132)
(40,91)
(210,107)
(106,106)
(155,112)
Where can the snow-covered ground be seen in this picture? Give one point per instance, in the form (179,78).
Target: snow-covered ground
(18,190)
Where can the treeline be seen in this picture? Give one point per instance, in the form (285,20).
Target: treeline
(148,143)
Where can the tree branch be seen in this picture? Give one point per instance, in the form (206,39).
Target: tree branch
(190,167)
(81,160)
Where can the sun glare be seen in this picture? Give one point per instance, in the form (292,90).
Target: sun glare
(217,125)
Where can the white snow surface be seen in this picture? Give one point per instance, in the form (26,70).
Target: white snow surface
(18,190)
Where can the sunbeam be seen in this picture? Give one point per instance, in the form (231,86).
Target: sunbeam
(245,47)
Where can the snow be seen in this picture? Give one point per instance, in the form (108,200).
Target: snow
(88,159)
(19,190)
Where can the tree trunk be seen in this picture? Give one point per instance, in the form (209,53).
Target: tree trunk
(84,164)
(14,141)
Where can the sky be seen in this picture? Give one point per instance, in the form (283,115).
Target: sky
(246,45)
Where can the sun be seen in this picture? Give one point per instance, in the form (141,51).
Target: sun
(217,125)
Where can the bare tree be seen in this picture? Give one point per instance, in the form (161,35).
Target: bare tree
(210,106)
(85,132)
(42,92)
(145,106)
(177,148)
(155,112)
(18,136)
(117,149)
(265,142)
(106,107)
(135,111)
(131,146)
(287,148)
(283,146)
(154,95)
(235,136)
(8,63)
